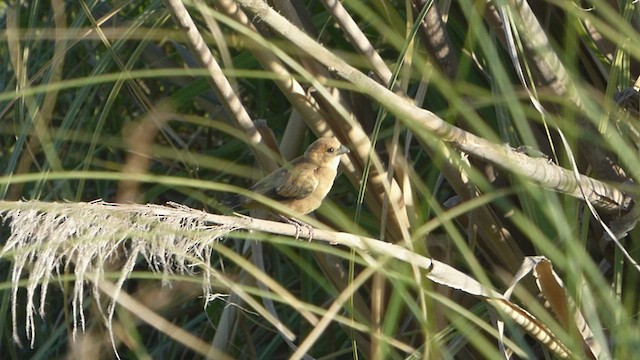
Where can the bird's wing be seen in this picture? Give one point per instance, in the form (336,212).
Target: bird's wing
(299,182)
(266,186)
(295,181)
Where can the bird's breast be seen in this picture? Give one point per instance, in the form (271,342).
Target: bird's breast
(326,177)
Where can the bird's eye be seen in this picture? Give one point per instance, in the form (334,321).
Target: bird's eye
(330,150)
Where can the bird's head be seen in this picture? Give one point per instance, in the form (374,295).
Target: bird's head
(325,152)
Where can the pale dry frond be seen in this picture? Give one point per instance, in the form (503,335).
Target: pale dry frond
(49,238)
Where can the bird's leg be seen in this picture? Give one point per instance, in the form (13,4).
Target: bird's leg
(310,231)
(298,224)
(290,221)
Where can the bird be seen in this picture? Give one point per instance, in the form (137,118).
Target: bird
(303,183)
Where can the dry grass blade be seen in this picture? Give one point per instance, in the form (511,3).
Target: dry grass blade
(173,331)
(532,326)
(446,275)
(224,89)
(358,38)
(554,292)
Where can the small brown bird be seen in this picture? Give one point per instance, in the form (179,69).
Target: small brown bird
(303,183)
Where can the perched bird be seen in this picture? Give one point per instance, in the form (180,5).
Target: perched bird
(302,184)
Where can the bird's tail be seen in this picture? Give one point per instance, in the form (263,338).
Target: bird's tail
(233,203)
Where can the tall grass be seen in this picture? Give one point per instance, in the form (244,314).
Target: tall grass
(487,207)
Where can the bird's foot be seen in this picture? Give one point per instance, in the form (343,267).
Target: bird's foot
(299,225)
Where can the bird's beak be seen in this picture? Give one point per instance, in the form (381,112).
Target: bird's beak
(343,150)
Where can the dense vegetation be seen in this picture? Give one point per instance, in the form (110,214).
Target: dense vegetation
(486,209)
